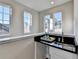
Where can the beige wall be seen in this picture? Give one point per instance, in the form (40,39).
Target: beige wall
(17,17)
(68,21)
(23,49)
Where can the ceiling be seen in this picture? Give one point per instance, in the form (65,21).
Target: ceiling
(40,5)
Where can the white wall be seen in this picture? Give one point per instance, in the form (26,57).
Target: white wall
(23,49)
(17,17)
(76,19)
(67,11)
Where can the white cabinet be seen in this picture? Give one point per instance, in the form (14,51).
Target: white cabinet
(61,54)
(40,51)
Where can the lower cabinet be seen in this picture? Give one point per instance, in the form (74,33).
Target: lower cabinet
(54,53)
(61,54)
(40,51)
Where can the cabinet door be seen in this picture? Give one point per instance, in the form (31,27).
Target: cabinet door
(75,56)
(60,54)
(40,51)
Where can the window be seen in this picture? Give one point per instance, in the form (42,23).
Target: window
(58,22)
(5,16)
(53,25)
(27,22)
(48,25)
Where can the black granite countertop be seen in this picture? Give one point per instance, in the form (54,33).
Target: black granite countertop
(59,45)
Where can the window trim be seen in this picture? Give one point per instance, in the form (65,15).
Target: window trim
(61,22)
(30,32)
(52,16)
(10,17)
(49,24)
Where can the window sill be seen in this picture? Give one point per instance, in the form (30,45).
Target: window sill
(18,37)
(4,36)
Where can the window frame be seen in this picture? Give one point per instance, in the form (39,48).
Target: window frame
(30,20)
(49,23)
(10,18)
(52,17)
(61,22)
